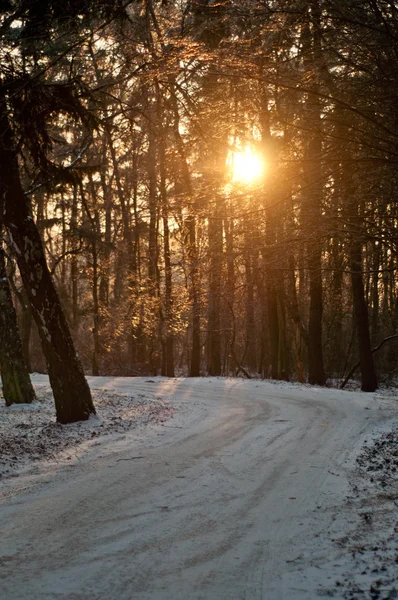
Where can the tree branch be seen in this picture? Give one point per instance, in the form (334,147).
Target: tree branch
(354,368)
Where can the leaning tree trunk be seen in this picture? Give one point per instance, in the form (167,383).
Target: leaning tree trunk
(17,387)
(72,395)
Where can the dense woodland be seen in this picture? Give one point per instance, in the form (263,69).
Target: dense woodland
(126,232)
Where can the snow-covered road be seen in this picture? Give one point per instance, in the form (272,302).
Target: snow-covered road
(237,497)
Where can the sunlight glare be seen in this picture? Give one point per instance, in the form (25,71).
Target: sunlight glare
(246,166)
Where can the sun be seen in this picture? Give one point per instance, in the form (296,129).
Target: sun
(246,166)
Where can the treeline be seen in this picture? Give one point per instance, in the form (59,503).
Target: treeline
(119,122)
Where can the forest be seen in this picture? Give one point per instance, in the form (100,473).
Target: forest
(197,187)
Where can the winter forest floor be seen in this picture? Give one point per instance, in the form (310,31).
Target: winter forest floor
(30,437)
(201,489)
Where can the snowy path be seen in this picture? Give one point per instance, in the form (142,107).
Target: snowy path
(235,498)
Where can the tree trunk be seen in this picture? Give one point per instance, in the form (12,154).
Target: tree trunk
(72,395)
(153,225)
(95,236)
(74,261)
(375,319)
(273,323)
(229,289)
(368,374)
(191,237)
(355,219)
(311,212)
(103,291)
(152,196)
(214,334)
(17,387)
(168,339)
(194,370)
(249,259)
(269,254)
(26,329)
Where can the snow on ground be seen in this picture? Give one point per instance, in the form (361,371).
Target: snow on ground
(372,544)
(253,490)
(30,436)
